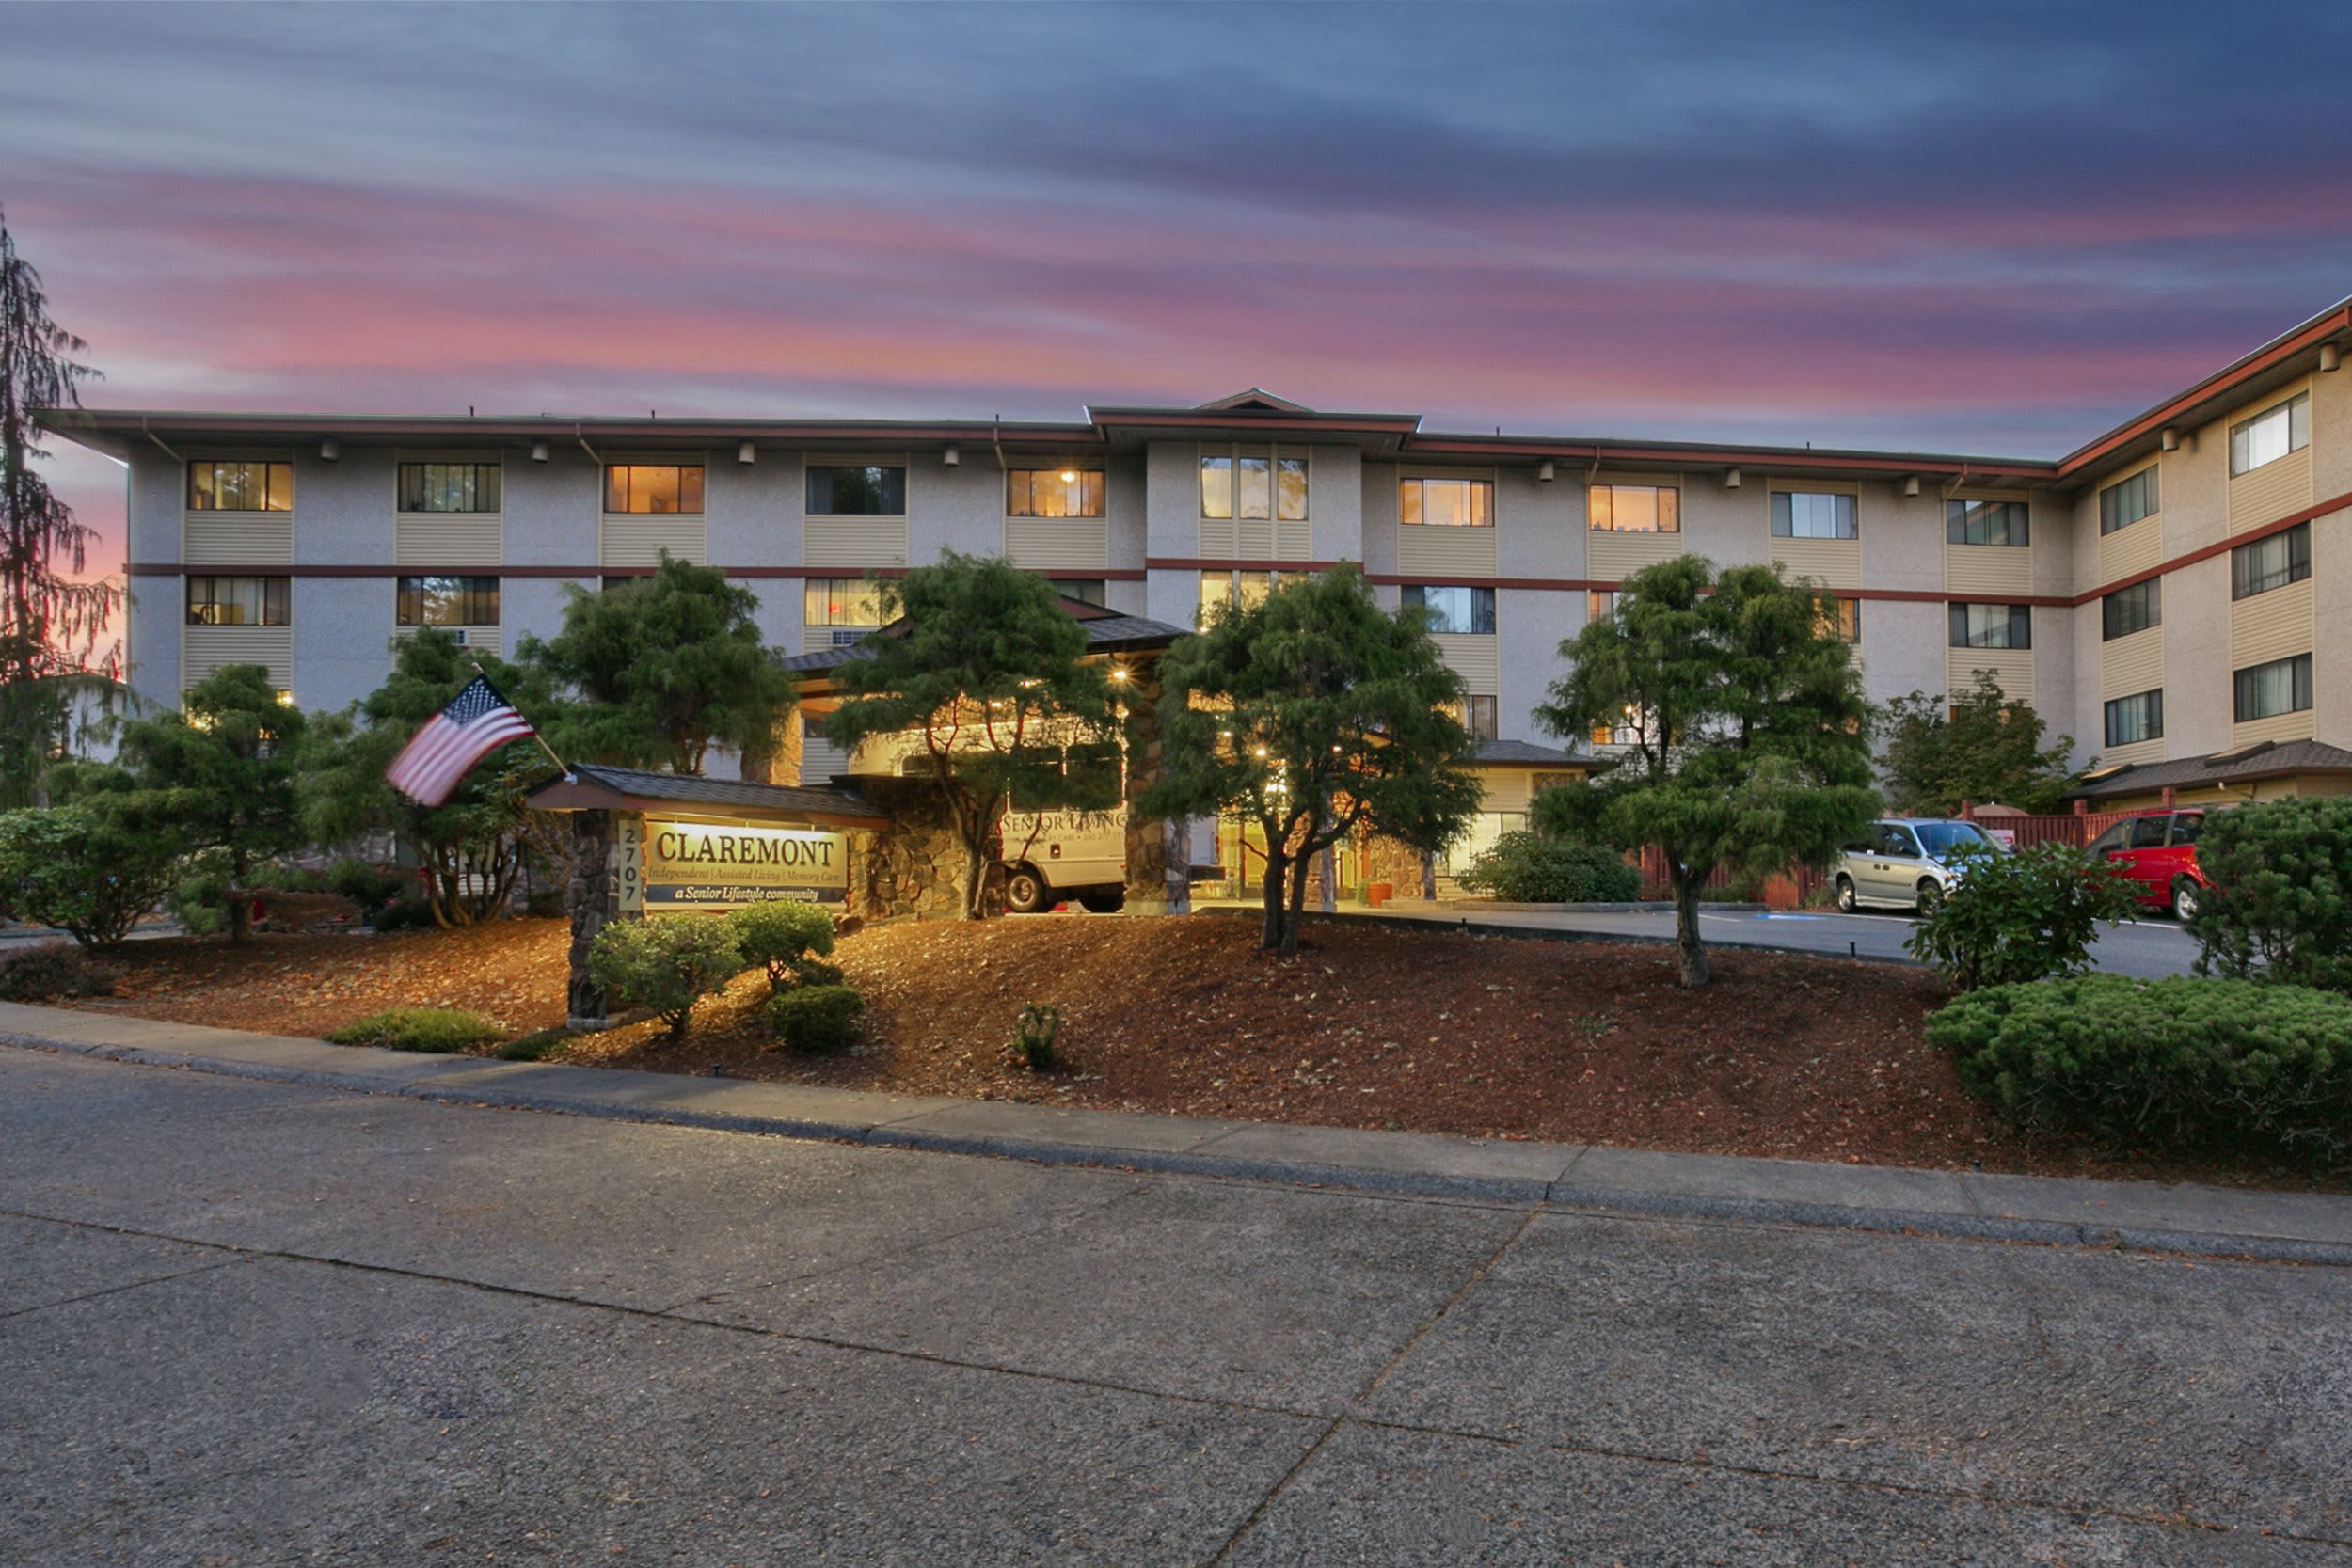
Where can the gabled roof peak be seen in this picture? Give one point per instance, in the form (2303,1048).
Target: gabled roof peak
(1255,399)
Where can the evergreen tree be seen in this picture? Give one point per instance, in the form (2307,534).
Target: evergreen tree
(1313,714)
(1751,742)
(50,619)
(1986,747)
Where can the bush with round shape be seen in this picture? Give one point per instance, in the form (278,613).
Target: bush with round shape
(1527,867)
(2008,919)
(2279,907)
(2177,1064)
(816,1019)
(52,972)
(439,1030)
(86,868)
(780,933)
(666,964)
(1033,1036)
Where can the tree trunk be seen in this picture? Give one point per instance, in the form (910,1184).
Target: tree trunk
(590,893)
(1300,864)
(975,879)
(1688,947)
(1270,933)
(240,899)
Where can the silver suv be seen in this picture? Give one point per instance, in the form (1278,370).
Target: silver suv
(1904,862)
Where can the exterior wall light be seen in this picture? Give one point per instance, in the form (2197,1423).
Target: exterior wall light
(745,454)
(2169,440)
(950,458)
(538,452)
(1545,472)
(329,450)
(2330,357)
(1911,485)
(1731,478)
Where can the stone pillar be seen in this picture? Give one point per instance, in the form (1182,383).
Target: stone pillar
(593,900)
(1176,854)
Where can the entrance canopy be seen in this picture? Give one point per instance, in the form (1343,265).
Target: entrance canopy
(589,786)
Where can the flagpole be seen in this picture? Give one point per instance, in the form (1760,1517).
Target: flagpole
(563,767)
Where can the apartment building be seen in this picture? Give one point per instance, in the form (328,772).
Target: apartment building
(2175,593)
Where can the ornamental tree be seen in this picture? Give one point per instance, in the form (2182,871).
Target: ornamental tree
(660,670)
(1315,713)
(1750,738)
(1985,747)
(985,681)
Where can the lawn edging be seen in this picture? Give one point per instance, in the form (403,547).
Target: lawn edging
(2141,1216)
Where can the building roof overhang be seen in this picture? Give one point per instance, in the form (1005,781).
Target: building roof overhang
(591,786)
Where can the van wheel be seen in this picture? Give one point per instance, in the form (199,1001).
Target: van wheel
(1025,892)
(1846,900)
(2183,900)
(1930,898)
(1103,900)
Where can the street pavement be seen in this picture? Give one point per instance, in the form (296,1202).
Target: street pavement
(250,1322)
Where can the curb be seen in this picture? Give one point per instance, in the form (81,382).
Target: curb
(1465,927)
(1510,1177)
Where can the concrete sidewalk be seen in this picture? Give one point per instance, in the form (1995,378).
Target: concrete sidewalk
(2282,1226)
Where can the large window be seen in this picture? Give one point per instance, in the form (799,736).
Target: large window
(238,601)
(2270,434)
(2136,718)
(1634,509)
(1241,589)
(840,602)
(1253,483)
(449,487)
(653,488)
(448,602)
(2282,686)
(241,486)
(861,490)
(2127,501)
(1992,626)
(1841,617)
(1985,522)
(1799,515)
(1446,503)
(1454,609)
(2130,610)
(1481,717)
(2266,564)
(1051,493)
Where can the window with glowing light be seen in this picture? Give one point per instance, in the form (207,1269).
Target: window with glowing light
(653,488)
(1253,483)
(1634,509)
(841,602)
(1054,493)
(1242,590)
(219,601)
(1446,503)
(240,486)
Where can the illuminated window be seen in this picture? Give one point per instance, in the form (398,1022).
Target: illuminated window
(238,601)
(1992,626)
(1634,509)
(1253,483)
(1600,604)
(1625,732)
(1446,503)
(1242,590)
(448,602)
(1801,514)
(859,490)
(1054,493)
(1454,609)
(2282,686)
(449,487)
(239,487)
(1481,721)
(2130,610)
(1985,522)
(2136,718)
(1841,617)
(841,602)
(653,488)
(2127,501)
(2270,434)
(2266,564)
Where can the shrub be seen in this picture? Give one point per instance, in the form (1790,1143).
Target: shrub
(368,885)
(666,963)
(1526,867)
(533,1047)
(404,914)
(2281,904)
(2029,916)
(198,899)
(816,971)
(84,869)
(1034,1034)
(2178,1063)
(435,1029)
(816,1018)
(780,933)
(52,971)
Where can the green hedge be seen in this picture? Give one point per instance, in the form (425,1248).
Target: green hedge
(1527,867)
(434,1029)
(816,1018)
(2176,1064)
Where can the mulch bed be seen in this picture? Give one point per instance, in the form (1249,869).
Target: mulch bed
(1784,1054)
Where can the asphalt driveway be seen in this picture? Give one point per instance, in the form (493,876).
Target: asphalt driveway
(250,1322)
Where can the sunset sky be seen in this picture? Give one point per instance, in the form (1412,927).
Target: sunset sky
(1973,228)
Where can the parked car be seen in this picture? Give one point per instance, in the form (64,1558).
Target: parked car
(1906,863)
(2157,849)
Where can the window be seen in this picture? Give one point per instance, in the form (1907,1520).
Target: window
(840,602)
(1481,721)
(448,601)
(1454,609)
(1240,589)
(1600,604)
(2267,690)
(449,487)
(2136,718)
(1992,626)
(1253,483)
(1625,732)
(1446,503)
(2147,831)
(1842,617)
(238,601)
(1985,522)
(2266,564)
(2187,827)
(241,487)
(653,488)
(1799,515)
(1083,590)
(1634,509)
(2127,501)
(2270,434)
(864,490)
(2130,610)
(1051,493)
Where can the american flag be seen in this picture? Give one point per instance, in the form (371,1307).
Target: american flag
(476,722)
